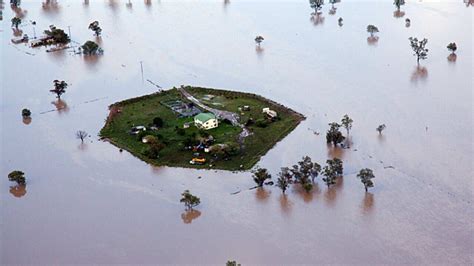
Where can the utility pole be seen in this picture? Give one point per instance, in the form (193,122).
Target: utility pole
(141,66)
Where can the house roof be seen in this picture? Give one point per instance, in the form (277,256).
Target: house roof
(204,117)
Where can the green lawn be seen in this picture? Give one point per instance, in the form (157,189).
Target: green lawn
(142,110)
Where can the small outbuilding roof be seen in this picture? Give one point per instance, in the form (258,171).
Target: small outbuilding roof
(204,117)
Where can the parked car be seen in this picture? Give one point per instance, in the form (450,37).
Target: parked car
(137,129)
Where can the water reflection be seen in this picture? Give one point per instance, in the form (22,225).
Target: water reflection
(26,120)
(285,204)
(368,203)
(262,194)
(317,19)
(335,151)
(18,190)
(259,50)
(190,215)
(452,58)
(50,6)
(330,196)
(398,14)
(82,146)
(129,4)
(307,196)
(91,60)
(17,32)
(19,12)
(419,74)
(86,3)
(61,106)
(373,40)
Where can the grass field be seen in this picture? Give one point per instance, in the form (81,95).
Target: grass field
(142,111)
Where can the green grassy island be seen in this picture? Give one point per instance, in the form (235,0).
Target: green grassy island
(199,127)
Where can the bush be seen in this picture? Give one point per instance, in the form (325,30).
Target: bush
(17,176)
(142,134)
(263,123)
(158,122)
(25,112)
(180,131)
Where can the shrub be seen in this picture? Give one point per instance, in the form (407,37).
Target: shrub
(158,122)
(263,123)
(17,176)
(25,112)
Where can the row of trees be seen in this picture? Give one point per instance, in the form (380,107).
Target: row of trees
(305,172)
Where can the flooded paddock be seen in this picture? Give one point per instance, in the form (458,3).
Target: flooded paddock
(89,203)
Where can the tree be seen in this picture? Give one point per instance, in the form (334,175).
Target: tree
(380,128)
(82,135)
(58,35)
(25,113)
(158,122)
(232,263)
(317,5)
(94,26)
(346,122)
(190,201)
(336,165)
(259,39)
(18,177)
(59,88)
(372,30)
(330,175)
(260,175)
(333,134)
(283,182)
(14,3)
(16,21)
(419,48)
(90,48)
(339,21)
(398,3)
(366,175)
(452,47)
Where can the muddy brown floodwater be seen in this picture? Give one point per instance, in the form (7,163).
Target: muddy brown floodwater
(91,203)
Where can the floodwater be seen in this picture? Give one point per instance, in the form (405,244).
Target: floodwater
(90,203)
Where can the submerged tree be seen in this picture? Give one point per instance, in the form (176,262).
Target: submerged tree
(366,175)
(25,112)
(317,5)
(58,35)
(91,48)
(339,21)
(334,135)
(419,48)
(380,128)
(372,30)
(59,88)
(259,39)
(329,175)
(94,26)
(16,21)
(398,3)
(232,263)
(346,122)
(282,182)
(82,135)
(18,177)
(260,175)
(189,200)
(452,47)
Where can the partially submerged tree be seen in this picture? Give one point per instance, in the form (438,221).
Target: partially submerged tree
(372,30)
(346,122)
(91,48)
(59,88)
(232,263)
(366,175)
(282,182)
(17,176)
(82,135)
(58,35)
(333,135)
(16,21)
(398,3)
(419,49)
(189,200)
(15,3)
(329,175)
(94,26)
(25,112)
(336,165)
(259,39)
(452,47)
(380,128)
(317,5)
(339,21)
(260,175)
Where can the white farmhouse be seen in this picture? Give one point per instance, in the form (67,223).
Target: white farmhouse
(206,121)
